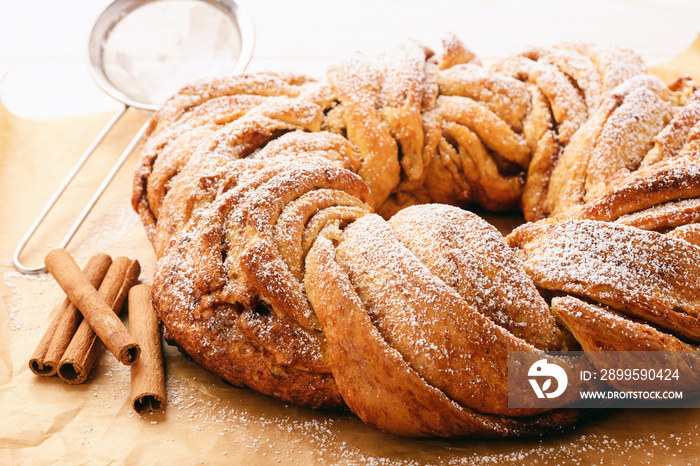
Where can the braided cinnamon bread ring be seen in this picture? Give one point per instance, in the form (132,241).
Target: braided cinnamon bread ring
(311,243)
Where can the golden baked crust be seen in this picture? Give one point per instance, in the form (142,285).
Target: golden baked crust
(426,127)
(260,194)
(643,274)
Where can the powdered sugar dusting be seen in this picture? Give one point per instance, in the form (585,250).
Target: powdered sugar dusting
(436,332)
(626,137)
(665,215)
(641,273)
(225,255)
(472,257)
(11,280)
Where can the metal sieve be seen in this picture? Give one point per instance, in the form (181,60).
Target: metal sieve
(140,53)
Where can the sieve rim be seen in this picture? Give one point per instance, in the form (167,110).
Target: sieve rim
(119,9)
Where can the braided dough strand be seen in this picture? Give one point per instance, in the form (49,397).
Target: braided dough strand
(293,256)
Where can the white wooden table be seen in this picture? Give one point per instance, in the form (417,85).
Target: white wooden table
(43,42)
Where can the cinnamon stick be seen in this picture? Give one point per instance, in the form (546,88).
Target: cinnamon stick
(95,310)
(147,375)
(44,361)
(85,346)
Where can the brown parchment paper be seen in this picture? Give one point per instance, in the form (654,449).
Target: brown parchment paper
(43,420)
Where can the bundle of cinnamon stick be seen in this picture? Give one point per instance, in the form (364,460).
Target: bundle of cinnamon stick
(88,319)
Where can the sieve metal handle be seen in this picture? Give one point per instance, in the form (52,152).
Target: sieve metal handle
(67,180)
